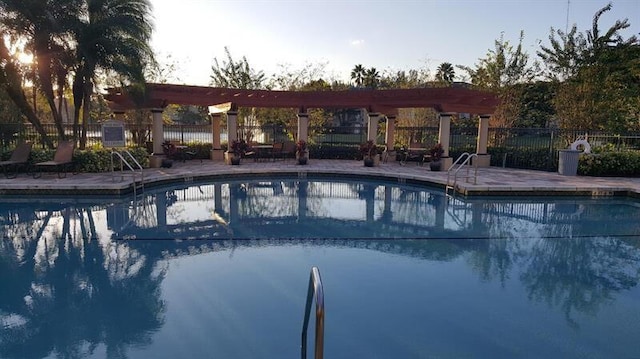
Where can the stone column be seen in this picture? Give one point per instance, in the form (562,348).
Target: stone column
(390,138)
(484,159)
(157,136)
(216,150)
(372,130)
(232,132)
(443,138)
(303,125)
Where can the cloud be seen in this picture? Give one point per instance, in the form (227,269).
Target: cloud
(357,43)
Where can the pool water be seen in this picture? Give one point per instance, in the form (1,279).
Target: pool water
(407,273)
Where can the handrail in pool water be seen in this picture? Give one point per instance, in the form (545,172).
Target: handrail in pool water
(315,290)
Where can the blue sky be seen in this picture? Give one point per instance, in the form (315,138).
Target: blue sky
(387,35)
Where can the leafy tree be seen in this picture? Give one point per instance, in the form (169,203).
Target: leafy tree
(504,67)
(537,105)
(237,74)
(598,75)
(358,75)
(445,72)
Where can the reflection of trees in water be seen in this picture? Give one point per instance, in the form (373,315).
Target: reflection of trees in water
(580,274)
(562,260)
(66,295)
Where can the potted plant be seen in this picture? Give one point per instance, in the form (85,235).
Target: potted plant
(369,152)
(302,152)
(436,155)
(236,150)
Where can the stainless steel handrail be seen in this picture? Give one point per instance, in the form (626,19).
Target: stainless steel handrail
(123,161)
(315,289)
(466,159)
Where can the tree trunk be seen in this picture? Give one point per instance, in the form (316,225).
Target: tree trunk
(11,79)
(44,75)
(78,95)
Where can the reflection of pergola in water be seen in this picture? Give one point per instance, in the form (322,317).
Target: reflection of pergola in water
(378,104)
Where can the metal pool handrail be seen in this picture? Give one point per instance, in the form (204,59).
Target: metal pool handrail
(315,289)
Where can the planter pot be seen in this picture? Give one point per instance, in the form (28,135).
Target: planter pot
(235,160)
(369,162)
(302,157)
(435,165)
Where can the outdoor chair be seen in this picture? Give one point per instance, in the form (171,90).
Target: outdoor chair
(176,151)
(277,150)
(19,158)
(289,150)
(62,161)
(416,152)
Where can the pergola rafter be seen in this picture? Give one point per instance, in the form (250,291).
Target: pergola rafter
(442,99)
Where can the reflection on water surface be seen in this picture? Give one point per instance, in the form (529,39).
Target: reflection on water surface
(508,278)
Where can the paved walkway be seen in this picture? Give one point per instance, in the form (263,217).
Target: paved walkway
(490,181)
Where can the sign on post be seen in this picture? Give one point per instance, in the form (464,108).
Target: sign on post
(113,134)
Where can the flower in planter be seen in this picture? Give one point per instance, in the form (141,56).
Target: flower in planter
(368,149)
(238,147)
(436,152)
(301,146)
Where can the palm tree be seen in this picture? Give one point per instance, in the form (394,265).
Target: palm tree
(112,36)
(445,72)
(45,27)
(358,74)
(372,78)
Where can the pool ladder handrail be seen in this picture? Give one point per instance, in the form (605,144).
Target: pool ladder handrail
(121,155)
(462,162)
(315,290)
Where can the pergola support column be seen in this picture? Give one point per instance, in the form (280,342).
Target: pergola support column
(232,133)
(443,138)
(483,159)
(372,128)
(217,154)
(390,138)
(157,136)
(303,125)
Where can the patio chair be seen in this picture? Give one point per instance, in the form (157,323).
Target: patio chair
(416,152)
(19,158)
(277,150)
(175,151)
(62,161)
(289,150)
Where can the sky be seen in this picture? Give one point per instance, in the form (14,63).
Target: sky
(386,34)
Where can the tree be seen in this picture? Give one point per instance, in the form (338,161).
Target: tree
(44,25)
(445,72)
(358,75)
(500,71)
(237,74)
(79,37)
(112,36)
(599,76)
(372,78)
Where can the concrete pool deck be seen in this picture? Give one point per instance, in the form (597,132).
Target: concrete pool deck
(490,181)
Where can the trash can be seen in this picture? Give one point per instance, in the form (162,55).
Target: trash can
(568,162)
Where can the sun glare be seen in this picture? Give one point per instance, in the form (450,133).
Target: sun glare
(25,58)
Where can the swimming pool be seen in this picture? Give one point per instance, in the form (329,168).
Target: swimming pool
(407,273)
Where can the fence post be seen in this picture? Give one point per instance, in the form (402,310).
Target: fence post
(550,160)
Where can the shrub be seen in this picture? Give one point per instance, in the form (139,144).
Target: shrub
(625,164)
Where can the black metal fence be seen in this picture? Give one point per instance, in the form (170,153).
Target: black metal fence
(533,148)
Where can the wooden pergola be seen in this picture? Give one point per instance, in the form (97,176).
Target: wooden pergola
(445,100)
(442,99)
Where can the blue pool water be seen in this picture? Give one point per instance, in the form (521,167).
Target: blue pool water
(220,270)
